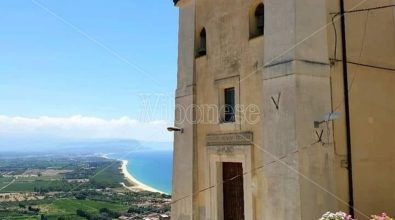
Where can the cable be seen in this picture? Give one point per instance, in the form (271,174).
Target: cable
(335,32)
(242,175)
(277,159)
(364,9)
(366,65)
(354,76)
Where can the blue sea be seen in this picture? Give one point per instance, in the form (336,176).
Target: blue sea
(153,168)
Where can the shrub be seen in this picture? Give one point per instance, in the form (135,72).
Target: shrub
(110,213)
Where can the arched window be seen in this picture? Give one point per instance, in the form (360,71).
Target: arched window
(202,48)
(257,20)
(260,19)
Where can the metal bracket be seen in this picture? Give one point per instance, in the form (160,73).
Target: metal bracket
(277,103)
(319,136)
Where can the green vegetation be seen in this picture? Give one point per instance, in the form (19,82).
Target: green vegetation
(70,188)
(71,205)
(49,175)
(38,186)
(108,176)
(21,164)
(17,216)
(5,181)
(96,205)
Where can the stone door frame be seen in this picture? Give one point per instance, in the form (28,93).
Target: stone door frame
(216,156)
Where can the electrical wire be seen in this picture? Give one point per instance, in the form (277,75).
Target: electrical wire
(303,148)
(245,173)
(364,9)
(354,76)
(366,65)
(276,159)
(335,32)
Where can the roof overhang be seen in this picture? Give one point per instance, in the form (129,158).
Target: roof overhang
(181,3)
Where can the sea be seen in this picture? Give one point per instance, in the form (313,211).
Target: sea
(152,167)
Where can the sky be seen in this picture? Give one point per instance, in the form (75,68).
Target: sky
(87,63)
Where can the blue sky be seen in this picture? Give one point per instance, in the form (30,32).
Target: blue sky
(64,58)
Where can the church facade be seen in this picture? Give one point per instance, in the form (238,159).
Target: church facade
(267,128)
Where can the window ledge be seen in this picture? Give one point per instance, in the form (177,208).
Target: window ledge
(200,56)
(227,122)
(256,37)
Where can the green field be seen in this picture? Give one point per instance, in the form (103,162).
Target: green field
(60,197)
(18,216)
(32,186)
(102,173)
(68,207)
(65,208)
(71,205)
(4,181)
(109,176)
(106,176)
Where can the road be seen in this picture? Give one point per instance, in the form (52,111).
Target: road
(1,189)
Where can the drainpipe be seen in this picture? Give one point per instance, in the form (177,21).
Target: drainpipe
(347,109)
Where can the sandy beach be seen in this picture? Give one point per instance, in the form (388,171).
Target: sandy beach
(136,184)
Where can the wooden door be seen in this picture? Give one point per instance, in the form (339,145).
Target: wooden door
(233,192)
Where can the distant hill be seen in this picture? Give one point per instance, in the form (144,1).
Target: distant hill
(87,146)
(157,145)
(98,146)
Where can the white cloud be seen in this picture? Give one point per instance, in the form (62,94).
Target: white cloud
(84,127)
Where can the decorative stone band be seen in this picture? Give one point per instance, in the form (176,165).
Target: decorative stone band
(240,138)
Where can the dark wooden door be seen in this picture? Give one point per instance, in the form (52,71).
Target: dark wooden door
(233,192)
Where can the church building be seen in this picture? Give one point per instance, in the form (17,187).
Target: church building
(285,109)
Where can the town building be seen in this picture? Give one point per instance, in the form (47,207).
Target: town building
(267,130)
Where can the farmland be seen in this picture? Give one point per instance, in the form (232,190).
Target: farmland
(71,188)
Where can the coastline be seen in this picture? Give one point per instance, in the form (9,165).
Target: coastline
(136,183)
